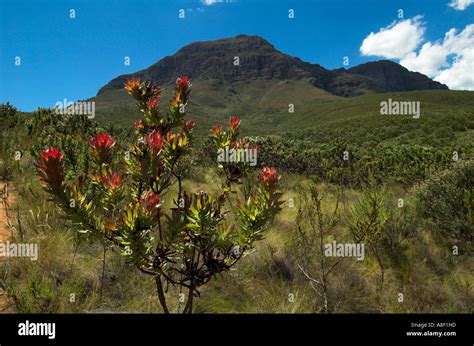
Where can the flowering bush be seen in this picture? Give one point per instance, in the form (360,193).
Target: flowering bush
(121,201)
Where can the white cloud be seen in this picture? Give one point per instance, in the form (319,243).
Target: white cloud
(460,75)
(396,40)
(212,2)
(428,60)
(460,5)
(433,58)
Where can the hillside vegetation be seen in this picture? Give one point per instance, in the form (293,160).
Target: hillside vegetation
(418,256)
(264,107)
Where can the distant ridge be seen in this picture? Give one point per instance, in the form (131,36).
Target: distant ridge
(259,60)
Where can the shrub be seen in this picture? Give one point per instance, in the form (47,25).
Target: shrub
(121,200)
(446,201)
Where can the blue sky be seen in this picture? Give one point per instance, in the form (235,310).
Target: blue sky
(70,58)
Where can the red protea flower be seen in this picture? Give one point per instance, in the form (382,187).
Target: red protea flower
(188,125)
(181,91)
(182,82)
(51,170)
(110,180)
(132,86)
(234,123)
(139,124)
(153,103)
(155,141)
(152,201)
(268,176)
(102,145)
(216,130)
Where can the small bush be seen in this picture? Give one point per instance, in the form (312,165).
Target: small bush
(446,201)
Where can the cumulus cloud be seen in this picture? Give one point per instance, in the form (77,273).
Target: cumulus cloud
(212,2)
(460,5)
(460,75)
(432,59)
(396,40)
(427,61)
(449,61)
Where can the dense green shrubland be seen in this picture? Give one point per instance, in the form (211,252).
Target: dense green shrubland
(414,243)
(446,202)
(406,163)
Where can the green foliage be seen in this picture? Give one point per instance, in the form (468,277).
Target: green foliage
(9,116)
(119,198)
(445,200)
(405,163)
(369,216)
(10,140)
(392,150)
(368,222)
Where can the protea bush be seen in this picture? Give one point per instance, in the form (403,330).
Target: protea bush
(121,200)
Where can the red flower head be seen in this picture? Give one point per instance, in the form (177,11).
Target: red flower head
(268,176)
(188,125)
(155,141)
(234,123)
(152,201)
(153,103)
(139,124)
(102,145)
(132,86)
(181,91)
(216,130)
(51,170)
(110,180)
(182,81)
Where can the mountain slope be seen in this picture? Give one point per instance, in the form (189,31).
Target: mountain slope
(263,107)
(264,85)
(259,60)
(391,76)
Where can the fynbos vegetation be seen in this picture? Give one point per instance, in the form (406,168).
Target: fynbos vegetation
(310,200)
(120,198)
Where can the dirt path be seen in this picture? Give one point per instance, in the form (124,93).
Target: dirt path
(5,232)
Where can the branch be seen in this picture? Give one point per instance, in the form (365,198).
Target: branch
(334,265)
(146,270)
(309,277)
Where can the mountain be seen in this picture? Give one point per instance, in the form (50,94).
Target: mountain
(260,89)
(391,76)
(259,60)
